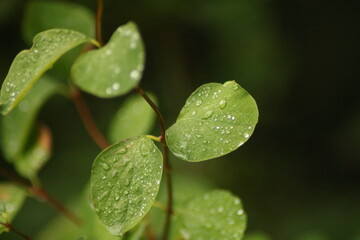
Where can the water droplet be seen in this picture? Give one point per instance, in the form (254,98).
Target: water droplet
(198,135)
(126,192)
(236,87)
(117,197)
(198,103)
(135,74)
(228,83)
(145,149)
(222,103)
(122,150)
(237,201)
(116,86)
(105,166)
(193,113)
(240,212)
(109,90)
(246,135)
(208,114)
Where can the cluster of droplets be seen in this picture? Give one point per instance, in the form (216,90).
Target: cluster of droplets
(48,46)
(132,49)
(130,177)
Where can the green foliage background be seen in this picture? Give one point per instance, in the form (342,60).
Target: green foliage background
(298,176)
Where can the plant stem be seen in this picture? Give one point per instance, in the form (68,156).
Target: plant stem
(88,120)
(99,12)
(11,228)
(167,165)
(41,193)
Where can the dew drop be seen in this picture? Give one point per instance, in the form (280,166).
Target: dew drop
(117,197)
(240,212)
(198,103)
(246,135)
(222,103)
(122,150)
(116,86)
(105,166)
(208,114)
(134,74)
(236,87)
(145,149)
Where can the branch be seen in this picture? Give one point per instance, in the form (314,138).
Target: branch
(11,228)
(99,12)
(88,120)
(167,165)
(40,193)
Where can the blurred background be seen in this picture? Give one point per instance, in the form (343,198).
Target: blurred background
(299,174)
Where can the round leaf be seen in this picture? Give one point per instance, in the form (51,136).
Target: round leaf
(114,69)
(135,117)
(29,65)
(125,180)
(216,119)
(213,216)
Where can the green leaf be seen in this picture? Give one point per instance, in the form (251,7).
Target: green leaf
(43,15)
(125,180)
(29,65)
(213,216)
(114,69)
(181,195)
(134,118)
(12,198)
(30,161)
(216,119)
(16,126)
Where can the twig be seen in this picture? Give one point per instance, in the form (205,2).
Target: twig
(167,165)
(88,120)
(99,12)
(40,193)
(11,228)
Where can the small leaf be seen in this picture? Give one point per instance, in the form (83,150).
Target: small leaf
(43,15)
(30,161)
(16,126)
(135,117)
(216,119)
(125,180)
(12,198)
(114,69)
(29,65)
(213,216)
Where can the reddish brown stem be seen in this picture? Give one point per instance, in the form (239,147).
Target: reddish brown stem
(88,120)
(99,12)
(167,165)
(11,228)
(41,194)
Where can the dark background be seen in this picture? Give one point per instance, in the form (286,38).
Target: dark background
(299,174)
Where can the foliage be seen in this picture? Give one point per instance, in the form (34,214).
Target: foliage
(126,176)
